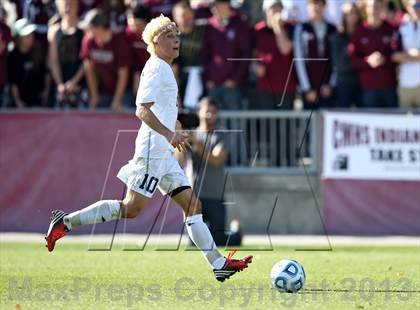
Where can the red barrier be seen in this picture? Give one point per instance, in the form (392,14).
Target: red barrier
(60,160)
(366,207)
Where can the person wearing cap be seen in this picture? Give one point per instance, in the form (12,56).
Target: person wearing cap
(137,18)
(106,60)
(408,56)
(154,164)
(274,46)
(26,67)
(5,39)
(226,53)
(65,40)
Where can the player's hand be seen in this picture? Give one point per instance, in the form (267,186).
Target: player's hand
(180,141)
(311,96)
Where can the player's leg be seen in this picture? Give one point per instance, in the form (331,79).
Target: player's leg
(107,210)
(176,185)
(199,233)
(196,228)
(141,177)
(100,212)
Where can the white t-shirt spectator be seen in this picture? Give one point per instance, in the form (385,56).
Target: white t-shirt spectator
(410,72)
(158,85)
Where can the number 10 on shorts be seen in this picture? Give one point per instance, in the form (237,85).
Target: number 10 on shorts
(149,183)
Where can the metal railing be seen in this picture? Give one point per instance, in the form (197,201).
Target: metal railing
(271,141)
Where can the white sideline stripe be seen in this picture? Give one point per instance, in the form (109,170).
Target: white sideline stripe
(290,240)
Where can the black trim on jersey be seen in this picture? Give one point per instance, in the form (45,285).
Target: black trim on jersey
(178,190)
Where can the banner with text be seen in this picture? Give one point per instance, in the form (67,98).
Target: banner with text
(370,146)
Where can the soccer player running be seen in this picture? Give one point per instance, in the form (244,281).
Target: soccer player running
(154,164)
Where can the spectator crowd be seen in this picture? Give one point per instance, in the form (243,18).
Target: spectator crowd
(245,54)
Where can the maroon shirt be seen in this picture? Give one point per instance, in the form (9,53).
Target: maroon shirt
(224,42)
(5,38)
(277,65)
(138,49)
(107,59)
(366,41)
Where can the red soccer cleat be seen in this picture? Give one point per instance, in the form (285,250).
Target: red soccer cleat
(56,230)
(232,266)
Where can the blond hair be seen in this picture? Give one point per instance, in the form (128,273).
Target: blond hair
(153,29)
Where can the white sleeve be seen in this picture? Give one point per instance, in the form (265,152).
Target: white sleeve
(300,59)
(150,83)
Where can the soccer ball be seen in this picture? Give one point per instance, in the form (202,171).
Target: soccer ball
(288,276)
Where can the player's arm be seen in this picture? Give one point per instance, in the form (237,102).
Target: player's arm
(177,139)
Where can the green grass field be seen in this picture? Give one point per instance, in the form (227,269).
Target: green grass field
(376,277)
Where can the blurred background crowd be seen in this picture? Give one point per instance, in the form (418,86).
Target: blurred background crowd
(245,54)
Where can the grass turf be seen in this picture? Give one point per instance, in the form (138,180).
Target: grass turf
(376,277)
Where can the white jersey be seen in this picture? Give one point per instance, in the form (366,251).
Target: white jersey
(158,85)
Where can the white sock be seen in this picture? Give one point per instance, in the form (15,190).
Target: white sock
(99,212)
(200,235)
